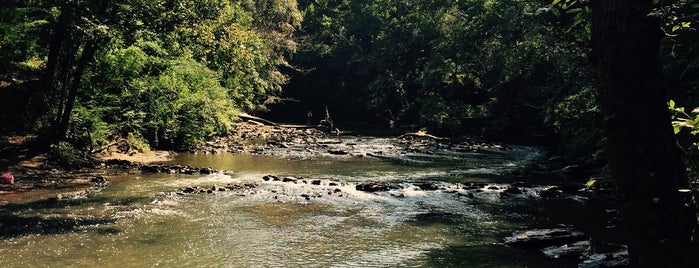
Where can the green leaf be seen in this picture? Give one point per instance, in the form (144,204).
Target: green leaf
(574,10)
(555,12)
(590,182)
(676,128)
(671,104)
(555,2)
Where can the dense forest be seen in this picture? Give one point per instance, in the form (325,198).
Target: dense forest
(170,74)
(173,73)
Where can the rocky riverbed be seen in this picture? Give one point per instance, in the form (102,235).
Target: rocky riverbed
(50,184)
(256,138)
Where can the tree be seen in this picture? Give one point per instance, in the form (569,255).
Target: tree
(658,212)
(78,33)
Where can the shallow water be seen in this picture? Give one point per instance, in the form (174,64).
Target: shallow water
(137,221)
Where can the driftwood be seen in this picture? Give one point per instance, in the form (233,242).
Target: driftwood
(422,134)
(256,119)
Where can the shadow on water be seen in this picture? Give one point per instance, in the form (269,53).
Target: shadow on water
(41,221)
(17,226)
(492,255)
(55,203)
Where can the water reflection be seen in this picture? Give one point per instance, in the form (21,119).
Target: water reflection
(138,221)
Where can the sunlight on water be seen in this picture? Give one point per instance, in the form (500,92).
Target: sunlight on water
(138,221)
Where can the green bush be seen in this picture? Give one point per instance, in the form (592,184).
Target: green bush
(576,120)
(87,131)
(66,155)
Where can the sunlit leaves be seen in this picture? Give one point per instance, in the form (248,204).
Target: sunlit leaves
(683,120)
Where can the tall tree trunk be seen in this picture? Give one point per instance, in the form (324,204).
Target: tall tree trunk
(59,32)
(659,219)
(64,79)
(87,54)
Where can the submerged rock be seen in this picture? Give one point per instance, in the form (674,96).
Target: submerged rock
(428,186)
(544,237)
(338,152)
(270,177)
(572,250)
(617,259)
(373,187)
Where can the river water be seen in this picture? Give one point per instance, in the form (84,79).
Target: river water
(139,221)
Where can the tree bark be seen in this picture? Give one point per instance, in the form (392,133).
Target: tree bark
(659,220)
(59,32)
(87,54)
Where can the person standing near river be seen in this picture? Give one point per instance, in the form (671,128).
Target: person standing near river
(309,118)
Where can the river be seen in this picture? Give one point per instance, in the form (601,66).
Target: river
(139,220)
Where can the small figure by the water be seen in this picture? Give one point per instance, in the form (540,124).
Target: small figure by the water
(7,178)
(309,118)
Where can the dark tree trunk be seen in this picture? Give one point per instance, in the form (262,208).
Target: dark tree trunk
(87,54)
(64,79)
(659,220)
(59,32)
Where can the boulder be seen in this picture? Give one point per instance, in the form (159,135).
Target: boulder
(427,186)
(373,187)
(338,152)
(572,250)
(189,190)
(617,259)
(270,177)
(544,237)
(207,171)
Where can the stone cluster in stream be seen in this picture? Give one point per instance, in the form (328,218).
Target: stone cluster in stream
(215,188)
(569,243)
(260,139)
(159,168)
(554,243)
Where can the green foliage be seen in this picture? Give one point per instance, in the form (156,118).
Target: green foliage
(184,105)
(65,154)
(170,73)
(683,120)
(173,103)
(87,131)
(21,30)
(683,123)
(137,143)
(456,67)
(575,117)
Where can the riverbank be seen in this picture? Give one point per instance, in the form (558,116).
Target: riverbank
(38,177)
(398,174)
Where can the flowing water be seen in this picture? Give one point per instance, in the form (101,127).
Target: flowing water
(138,221)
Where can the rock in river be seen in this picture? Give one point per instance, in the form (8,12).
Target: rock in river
(373,187)
(618,259)
(544,237)
(572,250)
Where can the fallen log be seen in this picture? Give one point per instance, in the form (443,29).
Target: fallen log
(247,117)
(422,134)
